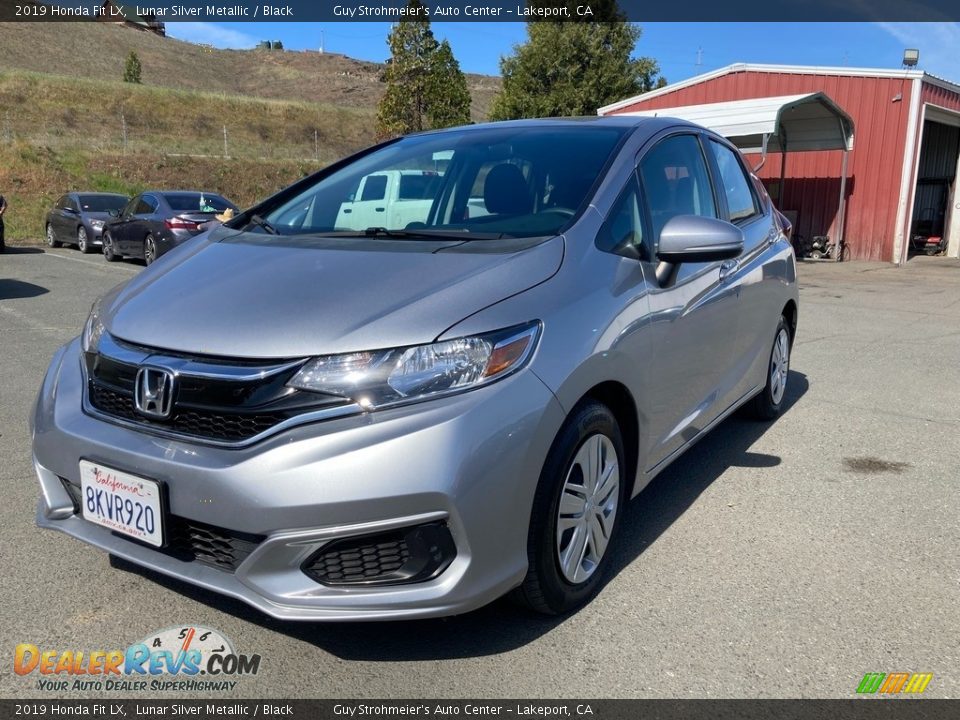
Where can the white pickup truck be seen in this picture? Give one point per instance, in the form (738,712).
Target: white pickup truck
(390,199)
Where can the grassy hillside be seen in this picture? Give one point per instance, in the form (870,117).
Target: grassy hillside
(74,113)
(67,122)
(59,134)
(98,50)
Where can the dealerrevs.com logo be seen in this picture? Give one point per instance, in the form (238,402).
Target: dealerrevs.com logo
(182,658)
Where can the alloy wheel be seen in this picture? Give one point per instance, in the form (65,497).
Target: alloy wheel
(779,366)
(587,509)
(149,250)
(82,241)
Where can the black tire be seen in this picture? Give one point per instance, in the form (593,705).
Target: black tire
(83,241)
(545,588)
(109,251)
(768,404)
(51,238)
(149,250)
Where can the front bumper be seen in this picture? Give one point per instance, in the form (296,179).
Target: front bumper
(471,461)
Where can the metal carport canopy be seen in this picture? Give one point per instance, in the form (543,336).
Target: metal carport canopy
(794,123)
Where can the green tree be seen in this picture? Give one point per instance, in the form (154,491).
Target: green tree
(132,69)
(572,68)
(425,87)
(448,98)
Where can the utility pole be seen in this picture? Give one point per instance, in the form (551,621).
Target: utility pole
(699,56)
(321,42)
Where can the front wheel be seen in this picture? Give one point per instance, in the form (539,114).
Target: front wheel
(109,249)
(769,403)
(83,241)
(576,512)
(51,238)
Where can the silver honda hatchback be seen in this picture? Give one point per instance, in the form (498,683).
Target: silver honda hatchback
(428,375)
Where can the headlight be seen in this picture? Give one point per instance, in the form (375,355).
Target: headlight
(93,330)
(96,224)
(389,377)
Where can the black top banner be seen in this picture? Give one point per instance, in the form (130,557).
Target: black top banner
(482,10)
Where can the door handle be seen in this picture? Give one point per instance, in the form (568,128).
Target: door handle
(379,209)
(728,267)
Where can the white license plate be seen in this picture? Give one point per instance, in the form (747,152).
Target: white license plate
(123,502)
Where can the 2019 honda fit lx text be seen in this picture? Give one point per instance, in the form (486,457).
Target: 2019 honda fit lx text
(453,402)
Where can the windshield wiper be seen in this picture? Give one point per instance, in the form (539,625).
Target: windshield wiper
(426,233)
(260,222)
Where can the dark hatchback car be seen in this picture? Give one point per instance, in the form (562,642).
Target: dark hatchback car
(78,218)
(155,222)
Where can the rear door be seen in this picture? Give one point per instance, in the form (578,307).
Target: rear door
(694,321)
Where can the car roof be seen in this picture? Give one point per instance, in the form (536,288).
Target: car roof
(96,194)
(645,125)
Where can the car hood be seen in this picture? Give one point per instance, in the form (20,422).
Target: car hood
(252,298)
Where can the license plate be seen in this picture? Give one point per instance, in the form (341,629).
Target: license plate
(125,503)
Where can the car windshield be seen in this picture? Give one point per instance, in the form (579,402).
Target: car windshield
(102,203)
(495,182)
(196,202)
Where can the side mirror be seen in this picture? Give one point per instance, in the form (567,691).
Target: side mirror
(113,213)
(691,238)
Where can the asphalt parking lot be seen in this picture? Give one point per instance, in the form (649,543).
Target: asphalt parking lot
(781,560)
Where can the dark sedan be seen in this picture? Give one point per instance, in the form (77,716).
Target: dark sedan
(155,222)
(78,218)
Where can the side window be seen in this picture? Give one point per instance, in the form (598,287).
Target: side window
(624,225)
(375,188)
(740,200)
(131,207)
(675,181)
(146,206)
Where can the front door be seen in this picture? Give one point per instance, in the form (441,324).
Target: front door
(694,314)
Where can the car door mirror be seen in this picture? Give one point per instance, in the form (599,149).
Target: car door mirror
(692,238)
(113,213)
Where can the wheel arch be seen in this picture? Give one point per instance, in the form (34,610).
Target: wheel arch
(618,398)
(790,312)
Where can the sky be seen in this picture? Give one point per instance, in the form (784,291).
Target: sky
(682,49)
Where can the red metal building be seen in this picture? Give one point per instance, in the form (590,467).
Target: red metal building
(902,170)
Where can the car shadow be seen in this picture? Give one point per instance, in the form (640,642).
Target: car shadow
(11,289)
(501,626)
(22,250)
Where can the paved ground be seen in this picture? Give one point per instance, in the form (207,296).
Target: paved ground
(783,560)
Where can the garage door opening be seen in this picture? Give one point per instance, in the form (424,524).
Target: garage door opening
(935,220)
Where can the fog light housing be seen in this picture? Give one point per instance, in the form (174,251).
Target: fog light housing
(394,557)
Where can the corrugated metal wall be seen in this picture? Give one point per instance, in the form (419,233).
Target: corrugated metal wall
(813,178)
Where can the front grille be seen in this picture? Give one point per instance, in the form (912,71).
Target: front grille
(220,401)
(395,557)
(193,541)
(198,423)
(190,540)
